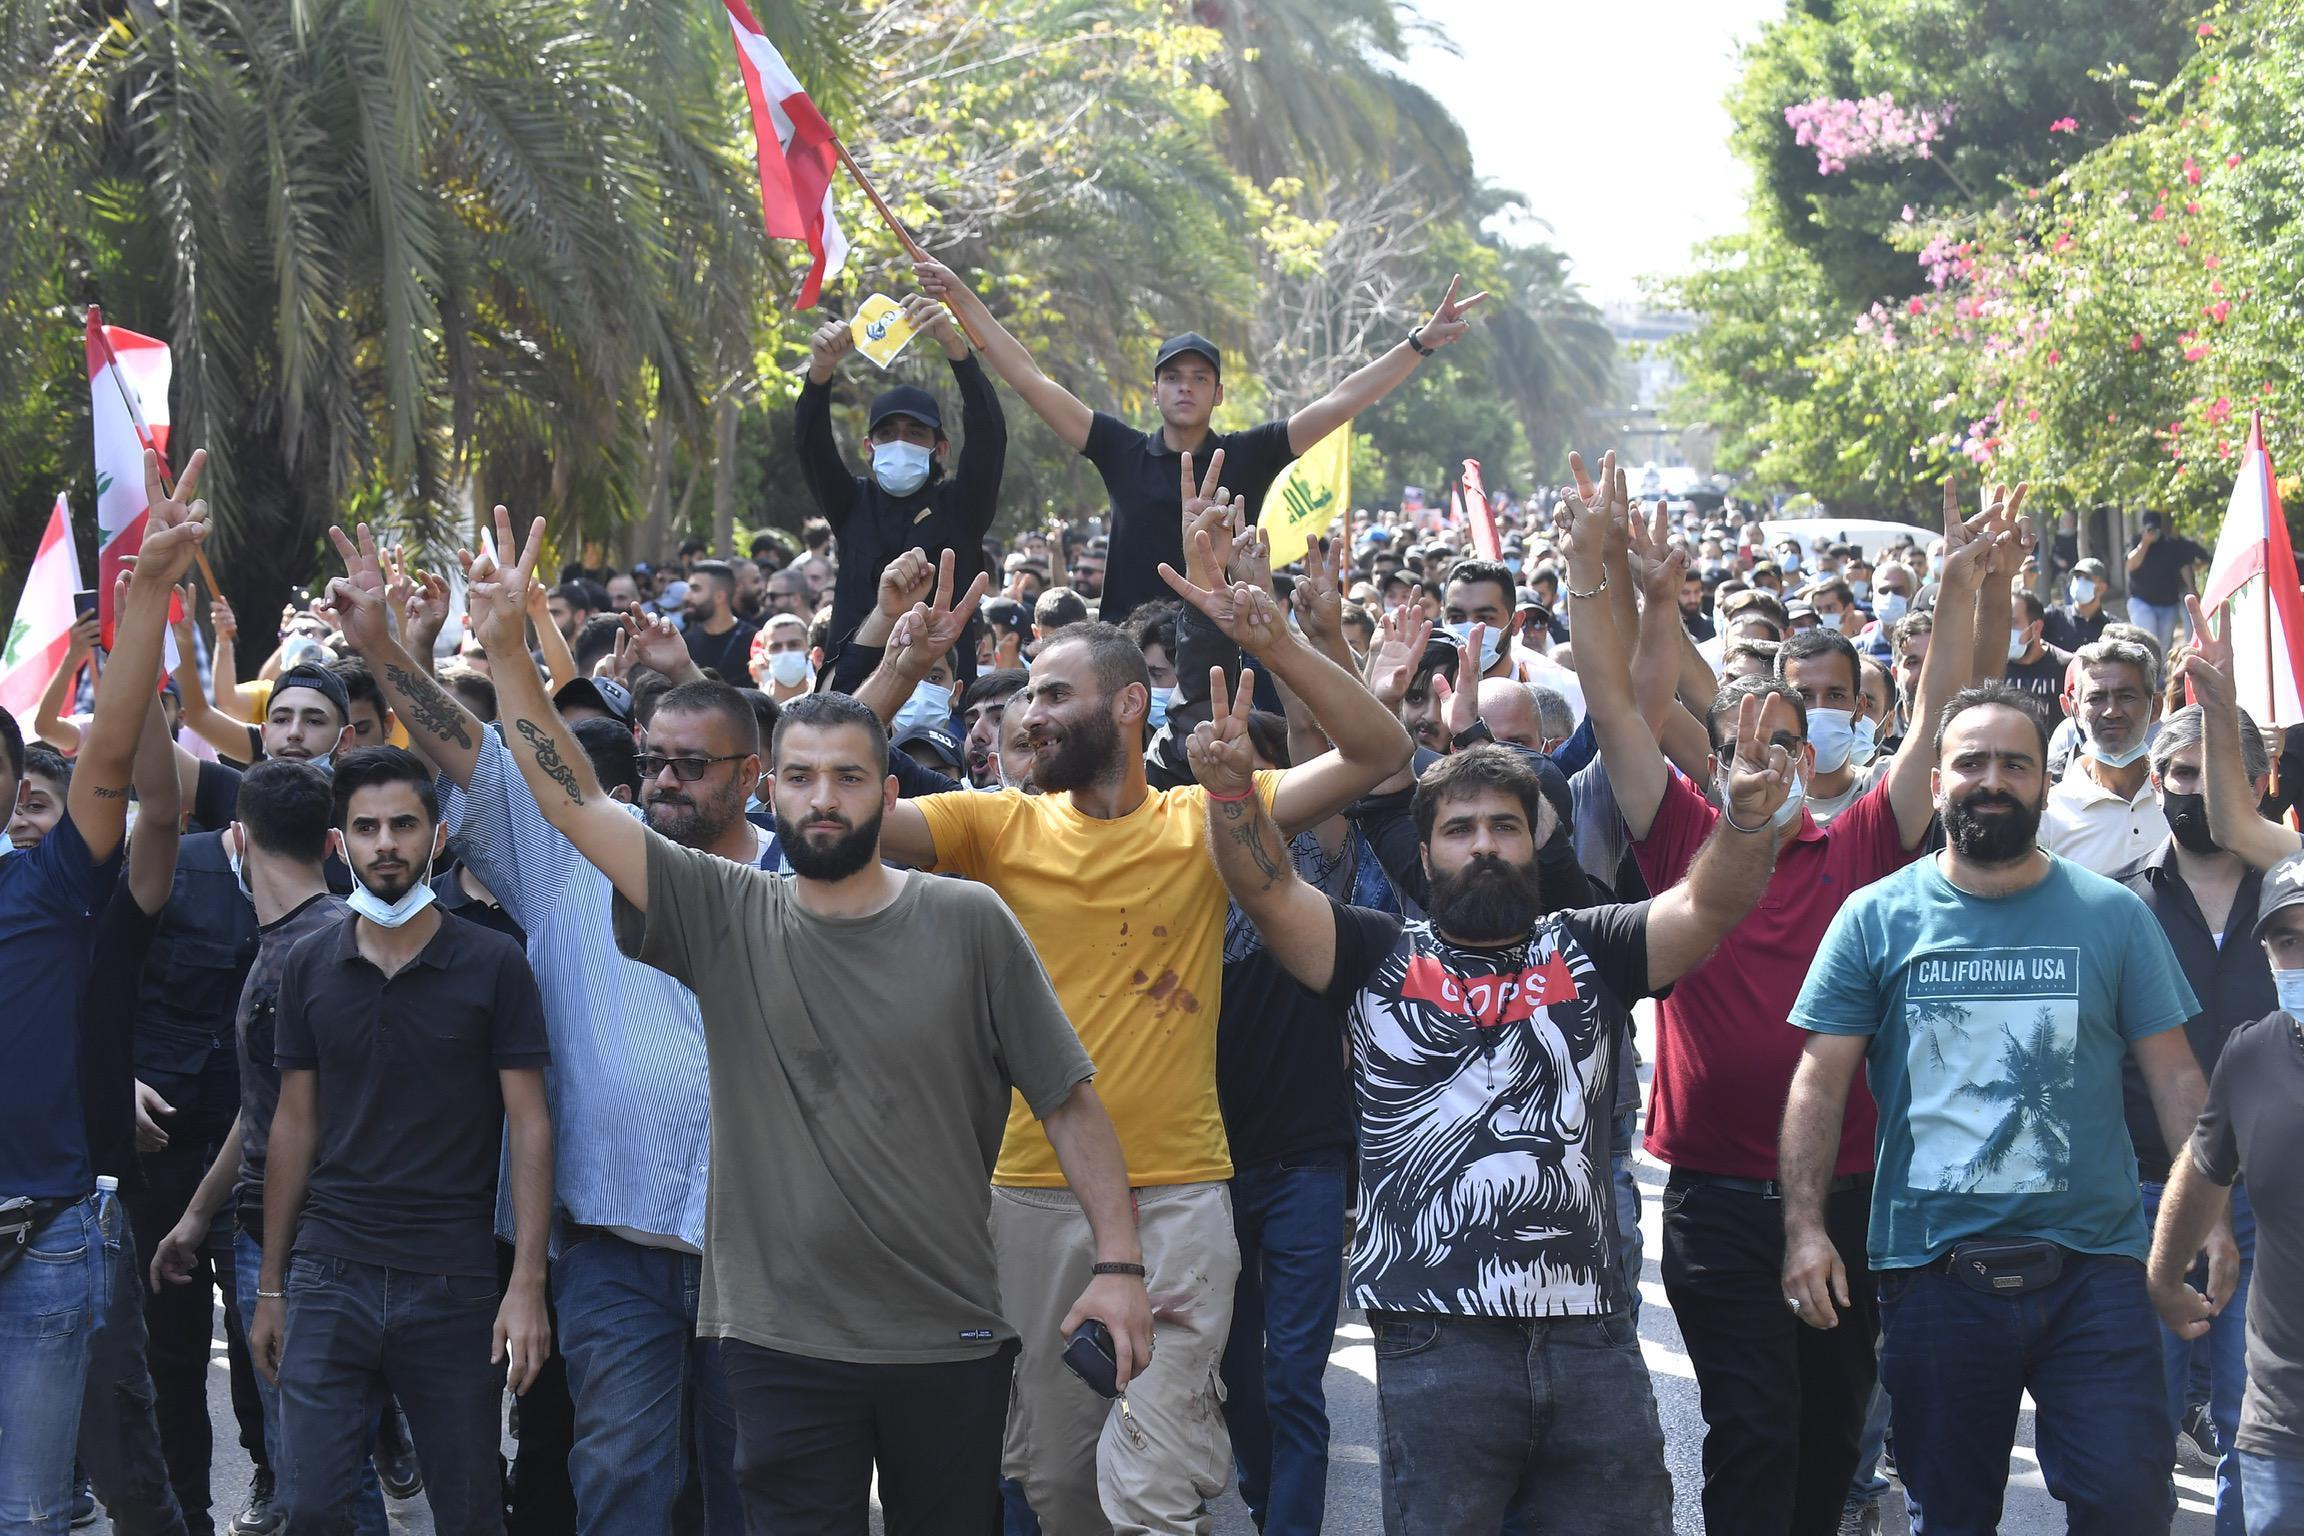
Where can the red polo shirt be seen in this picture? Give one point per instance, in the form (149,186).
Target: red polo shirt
(1724,1049)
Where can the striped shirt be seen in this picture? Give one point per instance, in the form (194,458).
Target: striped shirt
(631,1115)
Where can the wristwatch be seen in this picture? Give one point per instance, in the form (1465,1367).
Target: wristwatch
(1471,736)
(1416,341)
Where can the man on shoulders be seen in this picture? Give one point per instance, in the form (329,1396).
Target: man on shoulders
(1139,468)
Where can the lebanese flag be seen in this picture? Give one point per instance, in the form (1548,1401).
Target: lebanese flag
(1483,516)
(40,633)
(128,396)
(797,159)
(2255,570)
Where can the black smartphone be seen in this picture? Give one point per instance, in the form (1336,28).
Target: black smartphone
(1089,1353)
(84,603)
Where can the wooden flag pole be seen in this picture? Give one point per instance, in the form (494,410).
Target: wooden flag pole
(144,436)
(912,247)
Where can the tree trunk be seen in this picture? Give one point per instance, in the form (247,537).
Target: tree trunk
(724,413)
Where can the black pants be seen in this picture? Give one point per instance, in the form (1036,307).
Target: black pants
(1783,1402)
(809,1433)
(537,1498)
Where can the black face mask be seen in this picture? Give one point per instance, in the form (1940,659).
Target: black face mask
(2188,820)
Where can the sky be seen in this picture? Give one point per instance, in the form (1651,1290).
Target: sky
(1607,118)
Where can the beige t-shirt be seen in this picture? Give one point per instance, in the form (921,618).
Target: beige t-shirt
(861,1071)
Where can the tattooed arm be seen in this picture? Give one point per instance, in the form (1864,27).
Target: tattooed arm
(557,771)
(436,723)
(1298,923)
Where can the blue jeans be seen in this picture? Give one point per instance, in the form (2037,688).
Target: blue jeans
(357,1332)
(120,1447)
(2224,1347)
(1289,1216)
(2162,623)
(1549,1423)
(2275,1487)
(1629,1249)
(1956,1362)
(50,1300)
(651,1407)
(1870,1484)
(368,1514)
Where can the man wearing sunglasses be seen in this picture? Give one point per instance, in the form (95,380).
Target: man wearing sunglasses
(631,1121)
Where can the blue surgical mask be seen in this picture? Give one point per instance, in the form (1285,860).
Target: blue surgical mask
(1157,715)
(901,468)
(1891,607)
(2083,591)
(1512,564)
(2120,759)
(2018,644)
(930,704)
(1832,732)
(1790,563)
(1867,741)
(788,669)
(2290,986)
(389,914)
(1832,621)
(1491,644)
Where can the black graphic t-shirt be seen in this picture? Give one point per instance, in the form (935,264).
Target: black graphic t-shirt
(1484,1080)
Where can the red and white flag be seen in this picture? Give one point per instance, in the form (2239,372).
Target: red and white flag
(41,632)
(2255,570)
(797,158)
(128,398)
(1483,516)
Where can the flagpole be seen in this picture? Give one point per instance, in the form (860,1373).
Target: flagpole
(144,436)
(912,247)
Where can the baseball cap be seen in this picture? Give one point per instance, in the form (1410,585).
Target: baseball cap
(2092,568)
(1006,613)
(1191,341)
(1375,535)
(320,680)
(601,693)
(942,742)
(906,400)
(2283,888)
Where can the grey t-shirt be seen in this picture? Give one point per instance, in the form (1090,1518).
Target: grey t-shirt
(861,1070)
(2251,1127)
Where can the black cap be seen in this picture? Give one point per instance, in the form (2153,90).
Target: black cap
(906,400)
(942,742)
(1006,613)
(2283,888)
(601,693)
(1191,341)
(319,680)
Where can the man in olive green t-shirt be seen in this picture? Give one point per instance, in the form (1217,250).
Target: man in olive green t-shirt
(863,1026)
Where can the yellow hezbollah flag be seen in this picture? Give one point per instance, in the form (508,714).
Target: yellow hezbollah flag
(1310,494)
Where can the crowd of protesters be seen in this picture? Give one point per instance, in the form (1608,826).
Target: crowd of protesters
(916,1017)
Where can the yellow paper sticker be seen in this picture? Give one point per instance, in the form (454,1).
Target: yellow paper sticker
(881,329)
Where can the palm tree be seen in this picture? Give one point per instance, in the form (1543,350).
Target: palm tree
(401,248)
(1552,356)
(2036,1075)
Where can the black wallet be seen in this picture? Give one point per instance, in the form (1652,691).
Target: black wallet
(2003,1267)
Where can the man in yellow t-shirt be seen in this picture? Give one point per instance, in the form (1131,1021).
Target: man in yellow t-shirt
(1112,881)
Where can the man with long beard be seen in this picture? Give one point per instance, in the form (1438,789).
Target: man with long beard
(1482,1039)
(849,1274)
(1991,994)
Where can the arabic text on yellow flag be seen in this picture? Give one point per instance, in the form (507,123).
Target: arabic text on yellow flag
(1310,494)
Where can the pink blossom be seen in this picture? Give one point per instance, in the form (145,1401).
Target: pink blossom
(2159,212)
(2183,239)
(2192,207)
(2205,29)
(2196,353)
(2191,170)
(2136,342)
(1909,214)
(2065,125)
(1915,305)
(2216,285)
(2211,262)
(1874,127)
(2033,414)
(2063,243)
(2221,410)
(2054,357)
(2219,311)
(2231,160)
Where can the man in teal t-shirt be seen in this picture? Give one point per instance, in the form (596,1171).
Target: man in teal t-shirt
(1990,994)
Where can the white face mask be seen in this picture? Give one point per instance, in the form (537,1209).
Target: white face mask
(1157,715)
(1891,607)
(930,704)
(2018,643)
(2120,759)
(1491,643)
(1862,589)
(2083,591)
(788,669)
(2290,986)
(1832,732)
(1831,621)
(901,468)
(234,856)
(389,914)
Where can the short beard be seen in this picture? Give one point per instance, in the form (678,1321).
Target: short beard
(1089,753)
(1994,840)
(700,823)
(837,859)
(1486,899)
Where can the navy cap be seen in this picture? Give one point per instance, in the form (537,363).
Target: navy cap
(941,741)
(1006,613)
(601,693)
(1191,341)
(906,400)
(2283,888)
(322,681)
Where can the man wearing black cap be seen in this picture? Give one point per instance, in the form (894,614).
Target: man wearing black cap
(1140,468)
(908,501)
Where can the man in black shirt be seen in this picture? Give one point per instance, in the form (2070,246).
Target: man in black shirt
(916,496)
(2033,664)
(2081,621)
(1139,468)
(716,637)
(2159,576)
(411,1046)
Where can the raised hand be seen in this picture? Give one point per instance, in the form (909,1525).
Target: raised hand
(423,613)
(2012,536)
(1448,323)
(496,594)
(1392,657)
(1208,509)
(174,524)
(81,638)
(1584,517)
(1318,598)
(927,314)
(223,620)
(180,622)
(1252,559)
(1247,614)
(1460,707)
(652,642)
(1760,775)
(1222,757)
(829,343)
(909,578)
(356,601)
(1657,563)
(923,636)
